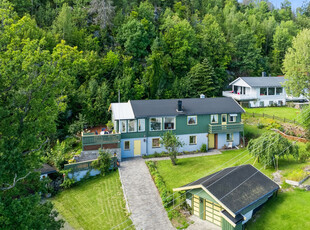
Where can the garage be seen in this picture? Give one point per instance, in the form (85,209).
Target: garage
(213,213)
(229,197)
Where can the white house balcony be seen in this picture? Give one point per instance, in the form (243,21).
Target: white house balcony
(238,97)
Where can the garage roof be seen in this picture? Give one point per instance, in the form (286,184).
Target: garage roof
(236,188)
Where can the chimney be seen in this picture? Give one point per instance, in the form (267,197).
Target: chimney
(180,106)
(202,96)
(264,74)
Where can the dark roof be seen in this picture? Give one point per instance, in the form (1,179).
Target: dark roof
(191,106)
(235,220)
(237,187)
(46,169)
(264,81)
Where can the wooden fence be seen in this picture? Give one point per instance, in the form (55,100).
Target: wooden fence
(274,118)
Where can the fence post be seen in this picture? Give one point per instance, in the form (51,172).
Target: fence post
(284,119)
(273,117)
(263,114)
(253,114)
(294,121)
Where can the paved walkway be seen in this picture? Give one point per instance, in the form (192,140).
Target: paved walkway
(209,153)
(145,205)
(200,224)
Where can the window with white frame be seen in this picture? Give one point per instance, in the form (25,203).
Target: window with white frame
(271,91)
(132,125)
(155,143)
(169,123)
(192,120)
(123,126)
(229,137)
(193,140)
(232,117)
(155,123)
(141,125)
(126,145)
(214,118)
(279,91)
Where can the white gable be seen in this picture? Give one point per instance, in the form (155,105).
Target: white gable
(122,111)
(239,82)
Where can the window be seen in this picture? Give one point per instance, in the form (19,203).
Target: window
(263,91)
(271,91)
(132,126)
(271,103)
(279,91)
(280,103)
(126,145)
(261,104)
(169,123)
(232,117)
(141,125)
(123,126)
(224,118)
(192,140)
(155,143)
(214,118)
(155,123)
(192,120)
(229,137)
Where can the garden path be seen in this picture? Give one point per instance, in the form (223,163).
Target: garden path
(145,205)
(209,153)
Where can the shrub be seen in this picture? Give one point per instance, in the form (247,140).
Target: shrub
(165,194)
(260,126)
(304,156)
(308,147)
(297,175)
(103,163)
(68,182)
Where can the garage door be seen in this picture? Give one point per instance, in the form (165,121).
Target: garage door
(213,213)
(196,205)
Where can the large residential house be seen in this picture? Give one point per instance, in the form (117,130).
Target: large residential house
(139,125)
(260,92)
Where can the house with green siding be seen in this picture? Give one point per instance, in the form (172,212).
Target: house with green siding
(229,198)
(139,125)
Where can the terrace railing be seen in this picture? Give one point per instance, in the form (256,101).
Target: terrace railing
(92,139)
(229,128)
(87,165)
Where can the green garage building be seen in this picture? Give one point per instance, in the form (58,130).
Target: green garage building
(229,198)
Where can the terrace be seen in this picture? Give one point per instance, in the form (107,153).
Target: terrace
(92,141)
(230,128)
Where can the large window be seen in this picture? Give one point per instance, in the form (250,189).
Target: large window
(192,120)
(263,91)
(132,126)
(232,117)
(193,140)
(155,123)
(229,137)
(123,127)
(279,91)
(141,125)
(126,145)
(169,123)
(155,143)
(214,118)
(271,91)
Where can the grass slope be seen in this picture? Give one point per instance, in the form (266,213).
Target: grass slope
(97,203)
(283,112)
(288,211)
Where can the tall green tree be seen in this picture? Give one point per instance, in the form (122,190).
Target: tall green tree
(201,78)
(296,65)
(171,143)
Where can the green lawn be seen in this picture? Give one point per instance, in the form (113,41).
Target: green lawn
(97,203)
(289,211)
(283,112)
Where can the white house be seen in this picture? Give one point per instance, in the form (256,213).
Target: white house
(258,91)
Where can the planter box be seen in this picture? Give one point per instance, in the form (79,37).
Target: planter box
(296,183)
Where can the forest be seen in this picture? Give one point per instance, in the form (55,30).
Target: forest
(151,49)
